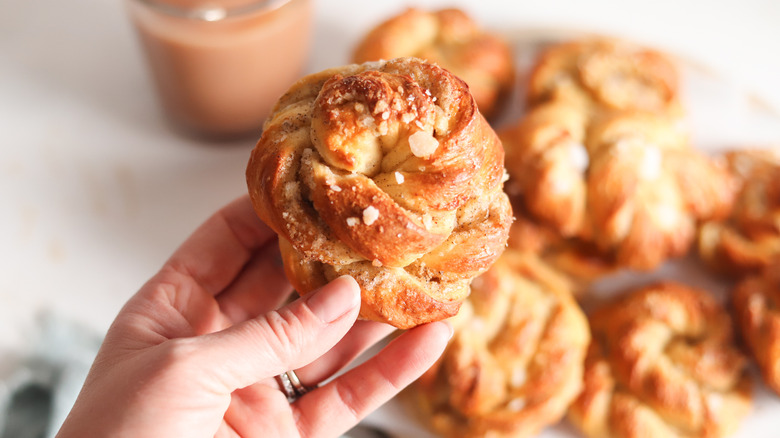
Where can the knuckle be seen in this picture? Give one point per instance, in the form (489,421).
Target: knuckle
(178,352)
(175,358)
(287,332)
(386,371)
(349,398)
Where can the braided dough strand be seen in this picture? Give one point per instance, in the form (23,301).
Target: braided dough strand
(385,171)
(662,363)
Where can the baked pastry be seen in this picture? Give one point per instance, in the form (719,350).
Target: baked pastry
(452,39)
(387,172)
(756,302)
(580,261)
(662,363)
(749,239)
(629,184)
(603,75)
(515,361)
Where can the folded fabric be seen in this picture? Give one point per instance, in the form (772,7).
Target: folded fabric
(36,396)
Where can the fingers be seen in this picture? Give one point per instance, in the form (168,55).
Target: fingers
(259,288)
(334,408)
(281,340)
(218,250)
(256,412)
(360,337)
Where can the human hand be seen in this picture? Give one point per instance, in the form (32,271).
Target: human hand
(194,353)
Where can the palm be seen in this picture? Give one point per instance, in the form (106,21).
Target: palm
(258,411)
(194,352)
(182,308)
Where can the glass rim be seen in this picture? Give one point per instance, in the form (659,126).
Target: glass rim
(212,11)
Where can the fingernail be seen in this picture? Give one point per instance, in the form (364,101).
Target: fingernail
(449,326)
(335,299)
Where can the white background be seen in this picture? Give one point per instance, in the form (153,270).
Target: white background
(96,190)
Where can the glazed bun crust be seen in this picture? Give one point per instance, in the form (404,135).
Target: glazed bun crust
(748,240)
(756,301)
(663,362)
(385,171)
(629,184)
(606,75)
(450,38)
(516,359)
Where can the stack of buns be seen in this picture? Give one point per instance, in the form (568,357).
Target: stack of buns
(386,170)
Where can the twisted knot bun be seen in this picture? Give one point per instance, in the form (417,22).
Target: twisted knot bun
(600,159)
(628,183)
(749,239)
(662,363)
(606,75)
(580,261)
(516,359)
(451,39)
(756,302)
(387,172)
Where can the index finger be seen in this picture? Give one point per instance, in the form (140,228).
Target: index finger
(218,250)
(338,405)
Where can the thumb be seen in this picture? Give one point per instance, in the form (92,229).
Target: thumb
(284,339)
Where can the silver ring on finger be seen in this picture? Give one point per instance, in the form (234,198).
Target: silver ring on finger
(291,385)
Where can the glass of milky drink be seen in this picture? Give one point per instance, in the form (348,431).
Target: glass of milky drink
(220,65)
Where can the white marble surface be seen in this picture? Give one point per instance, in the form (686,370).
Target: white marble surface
(97,190)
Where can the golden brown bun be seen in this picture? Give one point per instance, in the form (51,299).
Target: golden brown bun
(387,172)
(629,184)
(757,309)
(749,239)
(662,364)
(601,74)
(516,359)
(452,39)
(577,259)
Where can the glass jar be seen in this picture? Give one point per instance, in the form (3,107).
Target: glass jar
(220,65)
